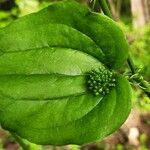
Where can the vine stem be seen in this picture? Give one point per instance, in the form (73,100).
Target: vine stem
(131,65)
(105,8)
(143,83)
(21,142)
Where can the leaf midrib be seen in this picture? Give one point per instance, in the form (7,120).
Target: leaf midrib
(46,47)
(36,99)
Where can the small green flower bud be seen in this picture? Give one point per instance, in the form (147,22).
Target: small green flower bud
(100,81)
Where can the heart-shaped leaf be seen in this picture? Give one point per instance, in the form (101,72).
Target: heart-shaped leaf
(55,83)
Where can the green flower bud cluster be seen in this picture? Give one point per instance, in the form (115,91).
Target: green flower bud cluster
(100,81)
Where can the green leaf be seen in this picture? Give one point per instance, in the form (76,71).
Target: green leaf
(48,63)
(102,32)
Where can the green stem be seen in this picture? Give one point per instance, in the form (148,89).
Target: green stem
(131,65)
(144,84)
(105,8)
(93,4)
(21,142)
(146,87)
